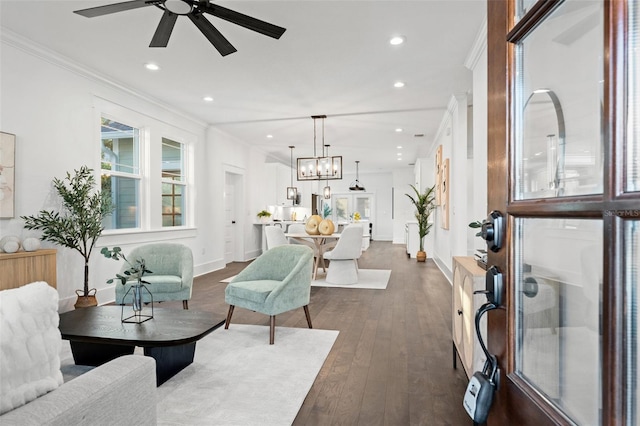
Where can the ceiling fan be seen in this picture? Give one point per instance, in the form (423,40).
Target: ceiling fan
(195,10)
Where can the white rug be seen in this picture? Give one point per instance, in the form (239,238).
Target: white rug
(237,378)
(374,279)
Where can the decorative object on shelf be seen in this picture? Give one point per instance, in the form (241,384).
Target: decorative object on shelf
(481,255)
(326,227)
(135,272)
(31,244)
(311,227)
(7,175)
(9,244)
(319,168)
(355,186)
(424,204)
(79,223)
(292,191)
(264,216)
(356,217)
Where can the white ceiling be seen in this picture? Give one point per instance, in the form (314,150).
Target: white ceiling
(334,59)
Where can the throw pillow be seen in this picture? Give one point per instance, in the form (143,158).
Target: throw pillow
(30,344)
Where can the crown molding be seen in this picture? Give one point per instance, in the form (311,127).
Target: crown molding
(32,48)
(479,46)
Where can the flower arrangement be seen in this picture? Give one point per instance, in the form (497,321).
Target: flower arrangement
(263,213)
(356,216)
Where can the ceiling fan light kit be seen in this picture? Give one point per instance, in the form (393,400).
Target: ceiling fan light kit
(319,168)
(195,10)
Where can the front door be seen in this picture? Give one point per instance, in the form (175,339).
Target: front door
(564,171)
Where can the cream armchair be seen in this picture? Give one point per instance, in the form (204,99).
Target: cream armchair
(343,266)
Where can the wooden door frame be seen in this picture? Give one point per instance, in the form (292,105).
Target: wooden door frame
(613,206)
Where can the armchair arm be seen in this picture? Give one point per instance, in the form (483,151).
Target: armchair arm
(102,396)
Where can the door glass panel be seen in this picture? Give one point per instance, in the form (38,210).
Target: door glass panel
(522,7)
(558,130)
(633,102)
(632,274)
(558,305)
(363,206)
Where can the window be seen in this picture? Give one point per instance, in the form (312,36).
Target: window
(120,172)
(173,183)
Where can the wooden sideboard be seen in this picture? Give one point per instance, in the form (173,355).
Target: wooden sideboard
(24,267)
(467,278)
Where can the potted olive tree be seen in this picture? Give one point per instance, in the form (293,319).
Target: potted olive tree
(425,204)
(78,224)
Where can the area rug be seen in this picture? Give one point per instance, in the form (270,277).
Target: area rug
(373,279)
(237,378)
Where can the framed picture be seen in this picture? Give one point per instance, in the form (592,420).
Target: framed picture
(7,175)
(444,196)
(438,174)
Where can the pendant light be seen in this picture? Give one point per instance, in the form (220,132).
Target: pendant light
(327,189)
(319,168)
(355,186)
(292,191)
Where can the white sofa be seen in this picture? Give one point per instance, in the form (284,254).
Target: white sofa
(32,392)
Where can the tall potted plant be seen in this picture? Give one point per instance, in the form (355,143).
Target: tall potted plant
(425,204)
(79,223)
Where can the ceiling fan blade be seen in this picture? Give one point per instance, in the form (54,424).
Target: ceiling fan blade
(248,22)
(163,32)
(92,12)
(212,34)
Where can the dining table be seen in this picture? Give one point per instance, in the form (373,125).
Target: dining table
(319,243)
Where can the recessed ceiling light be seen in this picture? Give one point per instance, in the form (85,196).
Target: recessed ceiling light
(399,153)
(269,136)
(399,158)
(398,130)
(396,40)
(151,66)
(399,146)
(207,99)
(398,84)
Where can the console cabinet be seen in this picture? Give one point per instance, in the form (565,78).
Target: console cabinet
(25,267)
(467,278)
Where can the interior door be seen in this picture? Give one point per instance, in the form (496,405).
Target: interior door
(563,156)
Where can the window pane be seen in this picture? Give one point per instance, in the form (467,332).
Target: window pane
(633,102)
(632,274)
(558,132)
(559,276)
(120,147)
(124,194)
(172,204)
(341,209)
(172,160)
(363,206)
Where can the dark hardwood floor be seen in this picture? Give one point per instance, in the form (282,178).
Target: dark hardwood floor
(392,361)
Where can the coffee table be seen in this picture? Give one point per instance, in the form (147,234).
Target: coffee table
(97,336)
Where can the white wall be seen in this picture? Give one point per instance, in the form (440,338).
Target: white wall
(52,106)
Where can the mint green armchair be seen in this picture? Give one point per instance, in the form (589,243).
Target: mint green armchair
(172,273)
(277,281)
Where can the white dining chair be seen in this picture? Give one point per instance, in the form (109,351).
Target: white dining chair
(275,236)
(343,266)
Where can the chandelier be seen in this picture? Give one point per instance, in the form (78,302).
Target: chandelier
(319,168)
(292,191)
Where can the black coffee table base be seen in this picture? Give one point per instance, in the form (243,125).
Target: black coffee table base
(170,360)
